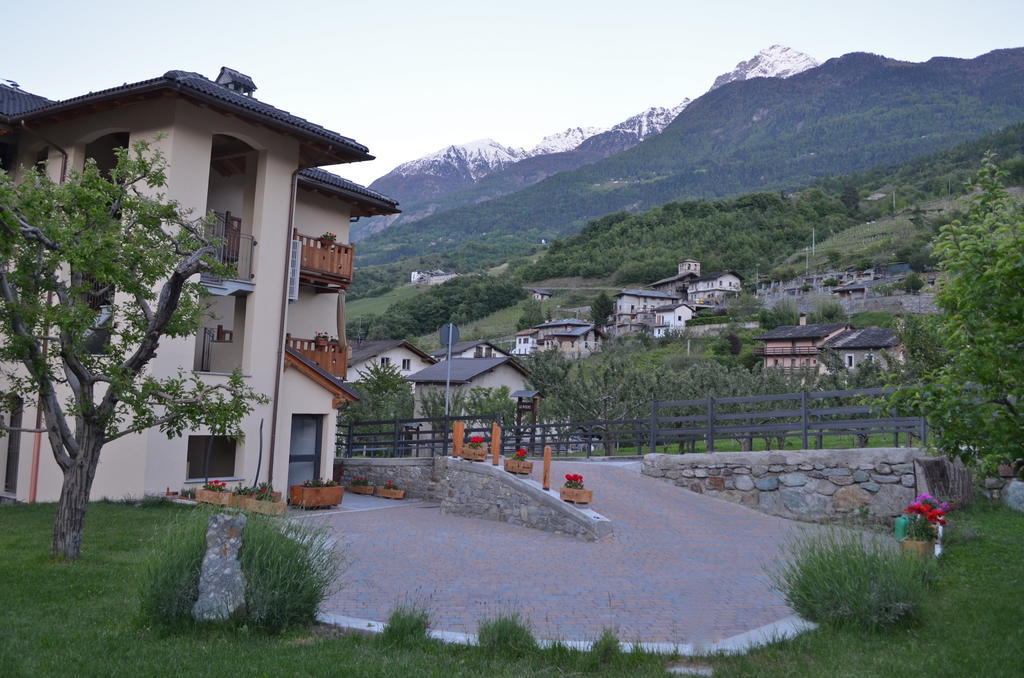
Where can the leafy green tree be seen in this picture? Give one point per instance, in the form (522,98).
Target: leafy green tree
(783,313)
(96,272)
(912,283)
(489,402)
(384,394)
(601,308)
(533,314)
(974,401)
(828,311)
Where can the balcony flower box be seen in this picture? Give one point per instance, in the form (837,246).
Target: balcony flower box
(475,450)
(573,490)
(269,508)
(518,464)
(390,491)
(322,494)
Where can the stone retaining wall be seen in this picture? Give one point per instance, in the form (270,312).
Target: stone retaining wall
(802,484)
(480,490)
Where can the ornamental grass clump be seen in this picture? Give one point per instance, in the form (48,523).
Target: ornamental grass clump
(843,578)
(407,626)
(289,569)
(507,634)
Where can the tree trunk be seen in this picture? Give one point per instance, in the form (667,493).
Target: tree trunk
(74,498)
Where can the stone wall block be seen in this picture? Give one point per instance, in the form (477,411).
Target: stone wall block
(744,483)
(793,479)
(767,484)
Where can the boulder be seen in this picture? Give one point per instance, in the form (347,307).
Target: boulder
(1013,495)
(221,581)
(850,498)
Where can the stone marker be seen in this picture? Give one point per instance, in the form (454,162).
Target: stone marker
(221,582)
(1013,495)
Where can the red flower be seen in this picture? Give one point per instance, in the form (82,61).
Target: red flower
(521,453)
(476,439)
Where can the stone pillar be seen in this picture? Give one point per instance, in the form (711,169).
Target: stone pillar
(221,581)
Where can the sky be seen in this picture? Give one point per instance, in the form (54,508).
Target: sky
(407,78)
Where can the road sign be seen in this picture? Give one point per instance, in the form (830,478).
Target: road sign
(449,334)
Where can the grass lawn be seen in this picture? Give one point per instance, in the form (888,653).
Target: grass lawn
(377,305)
(80,619)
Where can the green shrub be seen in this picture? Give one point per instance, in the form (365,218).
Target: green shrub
(507,634)
(842,578)
(288,568)
(407,626)
(606,649)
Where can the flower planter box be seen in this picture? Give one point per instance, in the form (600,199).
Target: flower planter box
(218,498)
(917,549)
(326,242)
(361,489)
(269,508)
(315,497)
(390,494)
(519,467)
(474,453)
(575,495)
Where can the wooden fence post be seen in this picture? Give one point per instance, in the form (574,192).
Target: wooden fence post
(803,417)
(711,425)
(654,427)
(458,432)
(547,467)
(495,442)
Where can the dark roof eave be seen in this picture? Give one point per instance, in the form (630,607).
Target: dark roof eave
(374,206)
(355,153)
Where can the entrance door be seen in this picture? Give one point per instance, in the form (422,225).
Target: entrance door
(304,452)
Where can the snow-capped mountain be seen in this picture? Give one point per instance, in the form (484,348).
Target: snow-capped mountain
(473,160)
(776,61)
(564,141)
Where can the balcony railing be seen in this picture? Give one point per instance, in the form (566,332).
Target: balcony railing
(325,262)
(330,357)
(234,249)
(786,350)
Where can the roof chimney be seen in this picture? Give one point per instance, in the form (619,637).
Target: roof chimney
(803,318)
(235,81)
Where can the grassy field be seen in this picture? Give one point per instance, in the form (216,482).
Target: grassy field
(59,619)
(377,305)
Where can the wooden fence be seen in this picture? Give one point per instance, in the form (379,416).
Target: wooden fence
(776,421)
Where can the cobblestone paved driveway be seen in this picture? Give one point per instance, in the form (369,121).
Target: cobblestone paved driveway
(680,568)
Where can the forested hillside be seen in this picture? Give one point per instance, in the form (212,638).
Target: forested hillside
(852,113)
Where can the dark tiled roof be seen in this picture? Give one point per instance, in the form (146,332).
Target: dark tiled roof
(460,346)
(540,291)
(647,293)
(204,88)
(564,321)
(712,276)
(674,278)
(316,176)
(578,332)
(802,331)
(670,307)
(347,388)
(369,349)
(869,337)
(463,369)
(14,101)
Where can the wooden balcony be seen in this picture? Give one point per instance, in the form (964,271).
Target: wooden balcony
(786,350)
(330,357)
(324,265)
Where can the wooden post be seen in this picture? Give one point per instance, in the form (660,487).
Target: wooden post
(547,467)
(495,442)
(458,432)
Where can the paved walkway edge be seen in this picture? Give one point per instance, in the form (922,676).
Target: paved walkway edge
(787,627)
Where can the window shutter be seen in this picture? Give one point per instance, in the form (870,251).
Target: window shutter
(293,273)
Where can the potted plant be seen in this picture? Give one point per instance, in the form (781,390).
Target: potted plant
(328,238)
(573,490)
(475,450)
(264,499)
(518,463)
(360,485)
(321,339)
(390,491)
(316,493)
(214,492)
(927,516)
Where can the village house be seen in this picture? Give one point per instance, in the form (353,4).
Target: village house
(672,317)
(800,347)
(467,373)
(526,341)
(538,294)
(283,224)
(715,287)
(678,285)
(435,277)
(635,309)
(477,348)
(399,353)
(571,337)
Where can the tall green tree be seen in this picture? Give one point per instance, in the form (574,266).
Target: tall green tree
(533,314)
(384,394)
(975,400)
(601,308)
(94,273)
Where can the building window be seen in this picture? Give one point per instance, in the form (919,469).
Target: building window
(385,361)
(406,363)
(210,457)
(849,360)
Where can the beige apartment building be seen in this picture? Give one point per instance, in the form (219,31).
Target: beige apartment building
(256,169)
